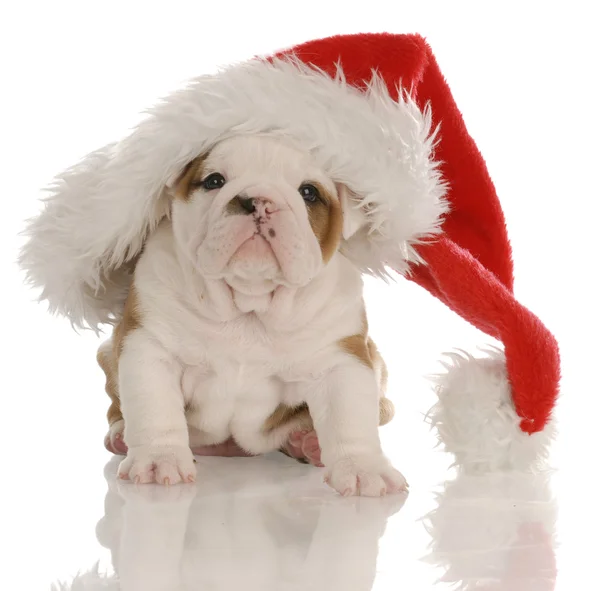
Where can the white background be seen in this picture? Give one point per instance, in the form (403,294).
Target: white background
(75,75)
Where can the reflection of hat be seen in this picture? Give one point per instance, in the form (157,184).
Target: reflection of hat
(495,531)
(339,98)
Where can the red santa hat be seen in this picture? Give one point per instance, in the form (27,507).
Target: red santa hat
(378,116)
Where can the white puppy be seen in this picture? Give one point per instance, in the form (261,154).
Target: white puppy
(243,315)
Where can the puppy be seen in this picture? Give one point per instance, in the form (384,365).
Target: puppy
(245,321)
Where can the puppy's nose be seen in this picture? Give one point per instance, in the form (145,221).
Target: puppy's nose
(251,205)
(264,206)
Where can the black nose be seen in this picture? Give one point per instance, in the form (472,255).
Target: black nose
(241,206)
(247,204)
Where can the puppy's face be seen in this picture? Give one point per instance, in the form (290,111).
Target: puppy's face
(258,213)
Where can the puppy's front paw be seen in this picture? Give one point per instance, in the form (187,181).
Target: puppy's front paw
(164,465)
(367,476)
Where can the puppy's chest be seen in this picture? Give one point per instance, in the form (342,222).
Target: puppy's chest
(243,342)
(232,377)
(243,362)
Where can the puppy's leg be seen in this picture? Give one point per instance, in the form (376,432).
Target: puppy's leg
(344,405)
(153,407)
(303,443)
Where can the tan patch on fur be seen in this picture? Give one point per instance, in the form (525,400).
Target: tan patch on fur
(108,357)
(107,362)
(386,411)
(286,415)
(193,172)
(386,406)
(130,321)
(358,345)
(378,363)
(365,350)
(327,222)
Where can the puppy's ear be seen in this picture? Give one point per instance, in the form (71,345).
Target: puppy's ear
(178,184)
(175,178)
(353,214)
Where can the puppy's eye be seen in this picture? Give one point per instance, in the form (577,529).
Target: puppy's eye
(213,181)
(309,193)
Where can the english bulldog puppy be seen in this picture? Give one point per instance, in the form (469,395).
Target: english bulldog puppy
(245,323)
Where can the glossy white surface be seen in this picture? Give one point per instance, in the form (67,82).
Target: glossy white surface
(73,79)
(270,523)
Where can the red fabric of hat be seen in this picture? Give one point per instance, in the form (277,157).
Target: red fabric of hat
(469,267)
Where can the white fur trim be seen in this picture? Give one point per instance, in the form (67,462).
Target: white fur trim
(476,419)
(101,210)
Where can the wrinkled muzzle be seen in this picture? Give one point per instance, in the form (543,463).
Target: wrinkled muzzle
(264,229)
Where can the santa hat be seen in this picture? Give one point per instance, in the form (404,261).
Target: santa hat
(378,116)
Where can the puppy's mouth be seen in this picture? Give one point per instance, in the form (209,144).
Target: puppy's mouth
(253,268)
(256,247)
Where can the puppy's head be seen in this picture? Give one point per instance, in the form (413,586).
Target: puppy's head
(257,212)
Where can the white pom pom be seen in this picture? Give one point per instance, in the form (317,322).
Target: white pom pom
(476,419)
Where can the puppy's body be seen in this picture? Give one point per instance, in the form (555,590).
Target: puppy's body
(243,315)
(235,372)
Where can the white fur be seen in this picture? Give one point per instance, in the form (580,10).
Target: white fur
(201,369)
(100,211)
(476,419)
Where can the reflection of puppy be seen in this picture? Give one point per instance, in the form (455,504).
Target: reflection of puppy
(241,525)
(243,314)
